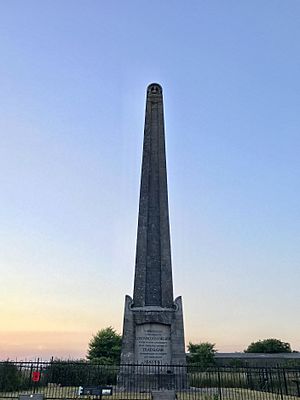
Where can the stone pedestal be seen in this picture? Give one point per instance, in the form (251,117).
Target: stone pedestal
(153,351)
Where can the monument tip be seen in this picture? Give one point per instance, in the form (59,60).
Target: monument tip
(154,88)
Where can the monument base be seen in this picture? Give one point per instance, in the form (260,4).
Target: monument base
(153,351)
(132,382)
(163,395)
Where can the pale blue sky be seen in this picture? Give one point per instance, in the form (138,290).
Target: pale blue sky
(73,76)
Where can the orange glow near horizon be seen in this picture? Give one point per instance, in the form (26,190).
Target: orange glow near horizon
(33,345)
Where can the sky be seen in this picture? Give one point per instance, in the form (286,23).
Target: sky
(73,78)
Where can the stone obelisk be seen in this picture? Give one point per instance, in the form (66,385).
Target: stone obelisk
(153,332)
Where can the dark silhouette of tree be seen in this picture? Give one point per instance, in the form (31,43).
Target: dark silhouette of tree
(269,346)
(201,353)
(105,347)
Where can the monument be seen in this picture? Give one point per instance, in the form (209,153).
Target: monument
(153,333)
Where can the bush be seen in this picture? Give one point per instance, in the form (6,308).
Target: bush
(10,376)
(202,354)
(70,373)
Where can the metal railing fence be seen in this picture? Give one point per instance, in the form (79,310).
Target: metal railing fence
(63,379)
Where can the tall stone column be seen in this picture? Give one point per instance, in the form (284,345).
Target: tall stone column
(153,333)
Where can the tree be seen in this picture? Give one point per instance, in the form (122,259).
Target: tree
(269,346)
(105,347)
(201,353)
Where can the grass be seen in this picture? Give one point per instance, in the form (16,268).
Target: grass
(211,379)
(232,394)
(71,392)
(58,392)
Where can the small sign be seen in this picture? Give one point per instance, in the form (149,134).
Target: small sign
(95,390)
(36,376)
(107,391)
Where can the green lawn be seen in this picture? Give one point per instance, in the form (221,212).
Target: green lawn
(196,394)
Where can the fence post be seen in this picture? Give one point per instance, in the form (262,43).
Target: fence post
(249,378)
(219,383)
(279,381)
(298,388)
(30,383)
(285,382)
(36,382)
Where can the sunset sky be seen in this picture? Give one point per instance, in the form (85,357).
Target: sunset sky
(73,77)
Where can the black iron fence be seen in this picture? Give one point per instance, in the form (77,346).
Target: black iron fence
(82,380)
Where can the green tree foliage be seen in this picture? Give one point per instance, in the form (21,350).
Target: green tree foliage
(201,353)
(10,377)
(105,347)
(269,346)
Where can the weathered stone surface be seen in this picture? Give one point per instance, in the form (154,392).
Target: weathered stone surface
(153,343)
(169,322)
(153,271)
(153,332)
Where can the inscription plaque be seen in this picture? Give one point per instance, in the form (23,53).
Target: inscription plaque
(153,344)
